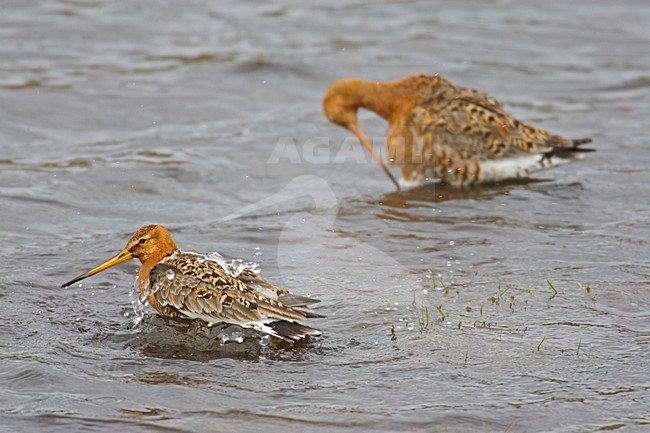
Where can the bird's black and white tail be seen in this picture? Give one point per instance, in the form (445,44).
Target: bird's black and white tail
(291,331)
(572,152)
(524,164)
(300,303)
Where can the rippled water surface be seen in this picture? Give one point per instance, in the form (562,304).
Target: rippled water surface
(118,114)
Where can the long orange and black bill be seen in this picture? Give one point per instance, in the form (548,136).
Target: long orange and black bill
(123,256)
(362,138)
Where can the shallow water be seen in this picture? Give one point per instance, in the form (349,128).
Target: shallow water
(115,115)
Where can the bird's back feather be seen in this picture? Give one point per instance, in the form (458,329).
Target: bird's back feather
(188,284)
(464,136)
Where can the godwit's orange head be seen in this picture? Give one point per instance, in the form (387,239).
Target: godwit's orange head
(342,102)
(151,242)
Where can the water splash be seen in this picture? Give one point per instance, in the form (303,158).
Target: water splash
(234,267)
(157,286)
(235,336)
(265,340)
(237,266)
(138,304)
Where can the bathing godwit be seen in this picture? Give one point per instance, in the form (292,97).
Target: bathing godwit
(196,286)
(438,130)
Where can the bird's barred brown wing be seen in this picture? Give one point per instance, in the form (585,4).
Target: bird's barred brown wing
(473,125)
(204,289)
(250,278)
(298,303)
(193,298)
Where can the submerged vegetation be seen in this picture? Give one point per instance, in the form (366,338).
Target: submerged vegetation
(424,318)
(496,312)
(552,288)
(442,313)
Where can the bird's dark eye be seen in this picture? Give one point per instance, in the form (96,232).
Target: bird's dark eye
(142,241)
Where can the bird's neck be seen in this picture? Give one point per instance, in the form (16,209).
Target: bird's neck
(383,98)
(149,263)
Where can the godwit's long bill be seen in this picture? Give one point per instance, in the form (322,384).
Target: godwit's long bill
(196,286)
(438,130)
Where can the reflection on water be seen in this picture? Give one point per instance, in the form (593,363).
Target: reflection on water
(441,192)
(165,338)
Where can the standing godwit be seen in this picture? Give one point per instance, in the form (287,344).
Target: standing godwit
(438,130)
(196,286)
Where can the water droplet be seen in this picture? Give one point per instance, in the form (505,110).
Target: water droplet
(264,340)
(452,243)
(410,326)
(170,274)
(223,337)
(200,259)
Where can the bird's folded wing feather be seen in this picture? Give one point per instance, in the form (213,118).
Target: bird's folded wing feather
(297,303)
(189,294)
(205,288)
(473,123)
(250,278)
